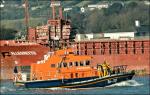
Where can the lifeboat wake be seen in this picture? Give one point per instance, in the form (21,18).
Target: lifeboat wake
(127,83)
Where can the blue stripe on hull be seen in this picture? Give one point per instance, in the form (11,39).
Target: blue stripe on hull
(72,83)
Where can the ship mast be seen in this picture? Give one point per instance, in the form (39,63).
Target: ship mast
(26,5)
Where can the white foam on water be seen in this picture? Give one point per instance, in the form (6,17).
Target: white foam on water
(58,88)
(127,83)
(4,89)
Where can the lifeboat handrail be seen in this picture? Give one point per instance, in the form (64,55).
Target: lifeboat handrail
(120,68)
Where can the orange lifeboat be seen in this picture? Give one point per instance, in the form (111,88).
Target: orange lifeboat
(63,68)
(63,64)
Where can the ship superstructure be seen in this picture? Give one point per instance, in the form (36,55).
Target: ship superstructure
(63,68)
(56,30)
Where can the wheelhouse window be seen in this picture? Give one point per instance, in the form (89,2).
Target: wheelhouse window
(70,64)
(87,62)
(53,65)
(76,63)
(65,64)
(59,65)
(81,63)
(71,53)
(76,75)
(25,69)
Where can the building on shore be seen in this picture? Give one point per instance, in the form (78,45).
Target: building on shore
(113,36)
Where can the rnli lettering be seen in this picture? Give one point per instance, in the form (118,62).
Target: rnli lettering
(24,53)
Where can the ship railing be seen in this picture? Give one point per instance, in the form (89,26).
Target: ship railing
(119,69)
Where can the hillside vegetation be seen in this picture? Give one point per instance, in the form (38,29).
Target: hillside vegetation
(116,18)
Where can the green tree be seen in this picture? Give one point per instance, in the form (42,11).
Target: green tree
(7,34)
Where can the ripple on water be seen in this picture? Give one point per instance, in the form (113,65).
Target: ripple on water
(136,86)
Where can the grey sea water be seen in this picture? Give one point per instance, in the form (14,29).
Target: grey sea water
(136,86)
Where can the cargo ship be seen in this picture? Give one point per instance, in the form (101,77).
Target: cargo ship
(63,68)
(135,55)
(18,52)
(57,33)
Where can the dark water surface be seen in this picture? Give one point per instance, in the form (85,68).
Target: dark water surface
(136,86)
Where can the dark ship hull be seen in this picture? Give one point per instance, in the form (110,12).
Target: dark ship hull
(80,82)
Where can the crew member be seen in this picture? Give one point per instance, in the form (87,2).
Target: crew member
(106,69)
(100,70)
(15,73)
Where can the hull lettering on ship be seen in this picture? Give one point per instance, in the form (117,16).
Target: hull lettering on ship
(24,53)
